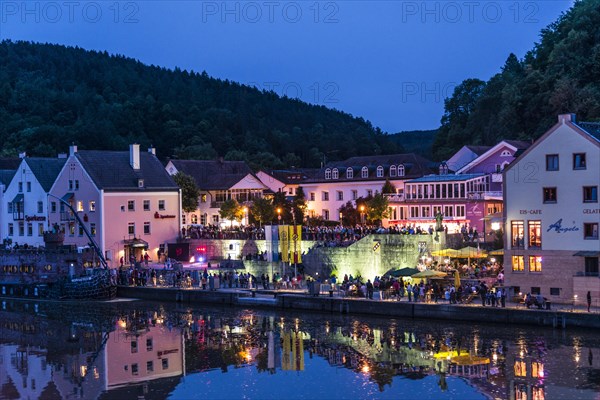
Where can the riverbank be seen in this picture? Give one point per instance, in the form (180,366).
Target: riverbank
(344,305)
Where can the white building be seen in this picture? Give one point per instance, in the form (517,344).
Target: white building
(26,214)
(551,214)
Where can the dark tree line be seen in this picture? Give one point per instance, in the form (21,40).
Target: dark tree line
(560,75)
(52,96)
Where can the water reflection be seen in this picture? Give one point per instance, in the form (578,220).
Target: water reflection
(147,350)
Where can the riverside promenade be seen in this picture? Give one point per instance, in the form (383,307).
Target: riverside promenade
(561,317)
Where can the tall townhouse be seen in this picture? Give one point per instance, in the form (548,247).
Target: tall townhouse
(125,199)
(551,214)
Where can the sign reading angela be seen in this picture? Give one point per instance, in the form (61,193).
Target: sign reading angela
(558,228)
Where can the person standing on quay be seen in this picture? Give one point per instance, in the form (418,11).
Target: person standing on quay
(589,300)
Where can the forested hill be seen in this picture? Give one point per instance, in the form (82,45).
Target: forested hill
(52,96)
(419,142)
(560,75)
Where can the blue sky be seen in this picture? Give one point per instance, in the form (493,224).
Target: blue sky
(391,62)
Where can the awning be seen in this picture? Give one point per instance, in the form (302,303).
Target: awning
(136,243)
(587,253)
(18,198)
(67,196)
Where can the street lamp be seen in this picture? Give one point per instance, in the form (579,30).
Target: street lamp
(341,219)
(362,214)
(245,215)
(279,215)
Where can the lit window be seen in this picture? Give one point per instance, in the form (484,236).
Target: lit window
(518,263)
(335,174)
(93,229)
(535,234)
(364,172)
(40,229)
(92,206)
(520,368)
(517,231)
(79,206)
(194,219)
(535,264)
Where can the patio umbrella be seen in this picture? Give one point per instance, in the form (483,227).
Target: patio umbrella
(402,272)
(499,252)
(456,279)
(471,252)
(445,253)
(428,273)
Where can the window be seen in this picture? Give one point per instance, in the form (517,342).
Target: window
(40,207)
(535,290)
(590,231)
(590,194)
(520,368)
(312,196)
(549,195)
(591,266)
(551,162)
(146,228)
(518,263)
(92,206)
(425,212)
(517,234)
(72,228)
(335,174)
(400,170)
(535,263)
(165,363)
(134,346)
(537,371)
(53,207)
(328,173)
(80,230)
(215,219)
(535,234)
(76,184)
(554,291)
(161,205)
(393,170)
(29,229)
(325,196)
(448,211)
(149,366)
(40,229)
(149,344)
(79,206)
(131,205)
(202,199)
(131,228)
(364,172)
(505,153)
(369,193)
(414,212)
(340,195)
(194,219)
(349,173)
(380,171)
(460,211)
(134,369)
(70,184)
(579,161)
(183,219)
(29,186)
(354,194)
(21,229)
(325,214)
(10,207)
(146,205)
(11,229)
(93,229)
(20,187)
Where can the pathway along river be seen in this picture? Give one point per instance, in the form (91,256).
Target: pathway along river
(134,349)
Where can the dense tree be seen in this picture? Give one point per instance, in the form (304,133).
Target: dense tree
(299,205)
(262,211)
(281,203)
(52,96)
(231,210)
(388,187)
(350,215)
(189,191)
(378,208)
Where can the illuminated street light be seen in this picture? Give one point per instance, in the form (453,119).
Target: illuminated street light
(279,215)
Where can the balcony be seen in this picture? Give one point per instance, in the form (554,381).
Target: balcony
(67,216)
(486,195)
(394,197)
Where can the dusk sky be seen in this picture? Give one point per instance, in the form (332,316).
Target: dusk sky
(391,62)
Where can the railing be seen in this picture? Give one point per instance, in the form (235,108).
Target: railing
(67,216)
(484,195)
(392,197)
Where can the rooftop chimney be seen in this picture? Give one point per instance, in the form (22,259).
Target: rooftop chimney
(22,155)
(562,118)
(152,150)
(72,150)
(134,156)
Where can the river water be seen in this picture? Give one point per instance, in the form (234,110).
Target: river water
(143,350)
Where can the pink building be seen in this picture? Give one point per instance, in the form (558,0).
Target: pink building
(126,200)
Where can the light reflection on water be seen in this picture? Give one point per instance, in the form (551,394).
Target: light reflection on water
(156,351)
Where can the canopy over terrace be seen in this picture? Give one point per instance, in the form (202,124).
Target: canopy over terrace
(134,248)
(445,253)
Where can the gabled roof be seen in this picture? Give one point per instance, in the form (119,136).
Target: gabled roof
(592,128)
(479,150)
(6,176)
(518,146)
(10,163)
(110,170)
(45,170)
(214,174)
(414,166)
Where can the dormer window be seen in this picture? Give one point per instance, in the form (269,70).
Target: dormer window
(335,174)
(328,173)
(349,173)
(505,153)
(364,172)
(443,169)
(401,171)
(140,183)
(393,170)
(380,172)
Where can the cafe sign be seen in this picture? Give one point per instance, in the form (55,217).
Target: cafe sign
(558,228)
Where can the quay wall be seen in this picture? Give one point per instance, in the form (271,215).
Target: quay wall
(507,316)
